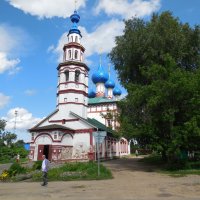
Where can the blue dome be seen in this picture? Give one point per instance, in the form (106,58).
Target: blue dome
(91,94)
(100,76)
(110,84)
(117,91)
(75,19)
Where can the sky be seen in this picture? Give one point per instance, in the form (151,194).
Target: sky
(33,32)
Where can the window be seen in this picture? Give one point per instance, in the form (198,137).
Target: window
(76,78)
(81,56)
(76,54)
(66,75)
(71,38)
(109,123)
(55,136)
(76,39)
(69,54)
(65,99)
(76,99)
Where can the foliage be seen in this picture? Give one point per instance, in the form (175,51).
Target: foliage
(8,154)
(16,168)
(4,176)
(9,149)
(37,165)
(158,63)
(76,171)
(175,170)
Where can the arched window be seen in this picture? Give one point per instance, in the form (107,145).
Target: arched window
(66,75)
(69,53)
(76,54)
(81,56)
(76,39)
(71,38)
(77,74)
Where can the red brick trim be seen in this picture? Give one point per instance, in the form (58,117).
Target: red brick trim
(73,103)
(43,134)
(72,91)
(66,120)
(73,44)
(64,83)
(73,62)
(66,134)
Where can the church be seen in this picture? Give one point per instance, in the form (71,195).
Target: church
(81,127)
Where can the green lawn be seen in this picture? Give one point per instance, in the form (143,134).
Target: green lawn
(176,170)
(65,172)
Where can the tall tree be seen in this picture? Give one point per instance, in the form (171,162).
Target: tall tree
(158,63)
(5,136)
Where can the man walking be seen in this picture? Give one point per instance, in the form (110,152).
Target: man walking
(45,167)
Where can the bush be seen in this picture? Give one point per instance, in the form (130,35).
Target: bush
(37,165)
(4,176)
(16,168)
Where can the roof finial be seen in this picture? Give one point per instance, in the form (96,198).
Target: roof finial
(109,70)
(100,52)
(75,3)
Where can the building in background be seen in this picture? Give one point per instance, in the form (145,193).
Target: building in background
(71,132)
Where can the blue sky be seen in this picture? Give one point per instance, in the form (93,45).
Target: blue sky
(32,33)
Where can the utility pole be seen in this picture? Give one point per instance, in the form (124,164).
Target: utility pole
(15,123)
(98,152)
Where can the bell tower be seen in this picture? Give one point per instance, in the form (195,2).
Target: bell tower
(72,88)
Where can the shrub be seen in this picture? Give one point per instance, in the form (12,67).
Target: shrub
(16,168)
(4,176)
(37,165)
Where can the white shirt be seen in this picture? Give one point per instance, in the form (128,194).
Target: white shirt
(45,165)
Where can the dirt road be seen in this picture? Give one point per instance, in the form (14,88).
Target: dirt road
(132,181)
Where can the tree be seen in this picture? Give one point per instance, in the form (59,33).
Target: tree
(158,64)
(6,137)
(9,149)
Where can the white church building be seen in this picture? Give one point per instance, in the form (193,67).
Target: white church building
(72,131)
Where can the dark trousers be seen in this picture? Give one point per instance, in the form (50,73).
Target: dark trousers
(44,178)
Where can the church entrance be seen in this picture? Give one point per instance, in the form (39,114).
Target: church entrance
(44,150)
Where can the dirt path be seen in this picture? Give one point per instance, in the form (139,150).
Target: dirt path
(132,180)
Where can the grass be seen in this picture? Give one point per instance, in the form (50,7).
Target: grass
(190,167)
(75,171)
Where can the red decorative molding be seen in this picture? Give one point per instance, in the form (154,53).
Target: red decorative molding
(64,83)
(84,130)
(73,103)
(74,44)
(67,134)
(72,91)
(43,134)
(73,62)
(73,69)
(102,111)
(66,120)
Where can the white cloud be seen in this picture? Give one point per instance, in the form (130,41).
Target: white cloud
(24,119)
(47,8)
(4,100)
(8,64)
(12,42)
(30,92)
(127,9)
(102,39)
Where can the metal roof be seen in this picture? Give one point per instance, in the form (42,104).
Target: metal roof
(98,100)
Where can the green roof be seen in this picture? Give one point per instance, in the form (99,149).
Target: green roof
(98,100)
(99,125)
